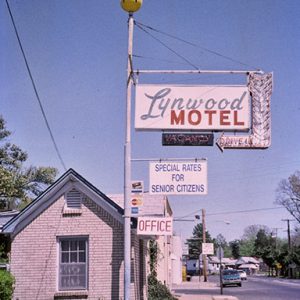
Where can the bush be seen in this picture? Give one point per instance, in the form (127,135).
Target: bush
(6,285)
(157,290)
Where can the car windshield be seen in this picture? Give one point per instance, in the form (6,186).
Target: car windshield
(230,272)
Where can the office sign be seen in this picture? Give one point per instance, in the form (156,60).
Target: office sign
(155,226)
(177,107)
(178,178)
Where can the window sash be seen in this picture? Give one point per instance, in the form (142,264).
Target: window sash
(73,263)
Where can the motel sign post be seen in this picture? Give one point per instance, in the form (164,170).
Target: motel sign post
(240,109)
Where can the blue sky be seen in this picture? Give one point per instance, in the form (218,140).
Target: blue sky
(77,52)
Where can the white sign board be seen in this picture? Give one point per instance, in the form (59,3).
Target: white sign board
(178,178)
(216,107)
(155,226)
(208,248)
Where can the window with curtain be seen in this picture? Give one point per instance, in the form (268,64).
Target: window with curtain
(73,266)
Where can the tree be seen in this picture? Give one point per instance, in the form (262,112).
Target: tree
(262,241)
(288,194)
(19,184)
(221,241)
(235,248)
(196,241)
(250,232)
(247,243)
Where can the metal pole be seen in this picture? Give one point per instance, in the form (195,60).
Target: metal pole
(204,241)
(197,72)
(127,167)
(221,281)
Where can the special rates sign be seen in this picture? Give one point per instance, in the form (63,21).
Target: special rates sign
(178,178)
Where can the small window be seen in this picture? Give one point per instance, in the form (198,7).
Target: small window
(73,199)
(73,257)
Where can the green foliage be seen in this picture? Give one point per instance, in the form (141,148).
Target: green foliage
(262,242)
(153,254)
(18,184)
(6,285)
(196,241)
(221,241)
(156,289)
(235,248)
(247,247)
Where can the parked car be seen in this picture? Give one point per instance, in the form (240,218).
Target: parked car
(231,277)
(243,274)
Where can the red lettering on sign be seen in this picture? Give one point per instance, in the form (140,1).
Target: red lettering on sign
(147,225)
(235,117)
(177,119)
(161,228)
(210,113)
(224,117)
(141,225)
(168,226)
(197,117)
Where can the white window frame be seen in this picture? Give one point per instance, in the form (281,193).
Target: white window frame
(72,253)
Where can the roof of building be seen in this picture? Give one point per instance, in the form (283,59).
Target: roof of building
(247,260)
(225,260)
(6,216)
(66,182)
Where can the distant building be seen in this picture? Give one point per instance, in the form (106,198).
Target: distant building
(249,264)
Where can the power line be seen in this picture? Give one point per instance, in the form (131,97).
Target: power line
(231,212)
(158,59)
(195,45)
(35,89)
(169,48)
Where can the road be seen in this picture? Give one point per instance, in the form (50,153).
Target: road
(256,288)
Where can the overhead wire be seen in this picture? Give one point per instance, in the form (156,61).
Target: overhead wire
(141,25)
(230,212)
(166,46)
(35,90)
(159,59)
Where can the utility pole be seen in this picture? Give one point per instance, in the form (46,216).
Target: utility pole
(289,241)
(204,241)
(276,234)
(130,7)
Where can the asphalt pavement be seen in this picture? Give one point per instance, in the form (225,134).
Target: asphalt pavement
(199,290)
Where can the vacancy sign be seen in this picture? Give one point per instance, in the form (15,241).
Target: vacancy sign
(178,178)
(155,226)
(212,107)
